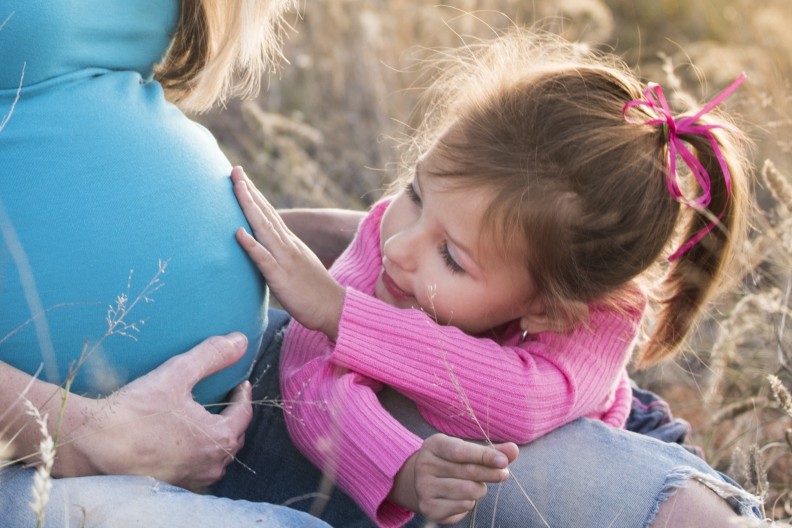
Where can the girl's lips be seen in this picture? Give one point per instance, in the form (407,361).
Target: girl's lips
(392,288)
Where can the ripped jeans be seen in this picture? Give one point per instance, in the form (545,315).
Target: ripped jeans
(590,474)
(584,474)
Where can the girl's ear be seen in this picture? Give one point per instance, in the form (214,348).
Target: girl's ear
(535,323)
(535,319)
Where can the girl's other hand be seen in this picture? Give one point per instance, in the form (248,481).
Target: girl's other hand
(443,480)
(153,427)
(296,276)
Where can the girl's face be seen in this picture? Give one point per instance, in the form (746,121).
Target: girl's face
(434,258)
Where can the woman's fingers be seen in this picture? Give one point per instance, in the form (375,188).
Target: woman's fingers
(239,412)
(160,405)
(210,356)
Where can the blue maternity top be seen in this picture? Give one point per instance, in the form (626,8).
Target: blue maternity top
(101,180)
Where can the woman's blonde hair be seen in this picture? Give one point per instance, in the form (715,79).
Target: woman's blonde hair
(539,125)
(222,49)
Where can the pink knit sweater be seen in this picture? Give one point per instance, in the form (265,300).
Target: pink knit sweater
(466,386)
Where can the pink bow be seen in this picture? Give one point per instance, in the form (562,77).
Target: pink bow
(655,100)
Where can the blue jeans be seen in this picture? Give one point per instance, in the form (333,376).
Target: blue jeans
(124,501)
(583,474)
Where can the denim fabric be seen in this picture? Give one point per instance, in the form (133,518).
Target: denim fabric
(650,415)
(584,474)
(126,501)
(121,502)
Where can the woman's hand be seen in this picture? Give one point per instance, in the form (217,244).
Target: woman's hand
(153,427)
(444,479)
(296,276)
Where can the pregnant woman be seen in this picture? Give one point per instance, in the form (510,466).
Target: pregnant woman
(117,254)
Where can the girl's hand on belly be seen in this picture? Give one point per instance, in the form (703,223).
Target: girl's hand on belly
(153,427)
(295,275)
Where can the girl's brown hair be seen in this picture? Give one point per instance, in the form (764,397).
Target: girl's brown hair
(538,123)
(221,49)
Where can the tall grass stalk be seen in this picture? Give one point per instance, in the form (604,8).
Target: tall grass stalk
(42,479)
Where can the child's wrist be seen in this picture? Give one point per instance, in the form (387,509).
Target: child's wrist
(403,492)
(334,307)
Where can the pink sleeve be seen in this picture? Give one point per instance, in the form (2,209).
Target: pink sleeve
(618,412)
(472,387)
(337,422)
(333,415)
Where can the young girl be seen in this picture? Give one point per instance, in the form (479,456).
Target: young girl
(503,287)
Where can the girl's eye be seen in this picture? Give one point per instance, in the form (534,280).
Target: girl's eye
(409,190)
(449,260)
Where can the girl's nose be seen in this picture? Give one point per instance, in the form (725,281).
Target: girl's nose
(402,249)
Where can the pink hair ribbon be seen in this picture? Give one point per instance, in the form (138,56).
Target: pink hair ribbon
(656,101)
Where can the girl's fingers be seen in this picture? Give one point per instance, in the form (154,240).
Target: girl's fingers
(256,251)
(459,490)
(262,221)
(238,174)
(458,459)
(446,511)
(459,451)
(475,473)
(510,449)
(267,225)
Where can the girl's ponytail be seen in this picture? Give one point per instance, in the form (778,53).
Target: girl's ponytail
(716,221)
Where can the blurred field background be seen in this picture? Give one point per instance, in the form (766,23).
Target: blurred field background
(322,135)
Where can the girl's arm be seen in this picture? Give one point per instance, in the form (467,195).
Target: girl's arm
(152,426)
(334,420)
(327,232)
(477,388)
(464,386)
(337,422)
(334,416)
(295,274)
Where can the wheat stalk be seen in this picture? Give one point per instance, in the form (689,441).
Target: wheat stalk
(42,480)
(781,393)
(779,187)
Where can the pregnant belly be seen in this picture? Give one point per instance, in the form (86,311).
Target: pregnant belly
(118,235)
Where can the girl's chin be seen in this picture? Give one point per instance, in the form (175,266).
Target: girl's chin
(381,293)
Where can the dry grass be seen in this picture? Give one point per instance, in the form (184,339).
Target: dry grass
(322,135)
(42,480)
